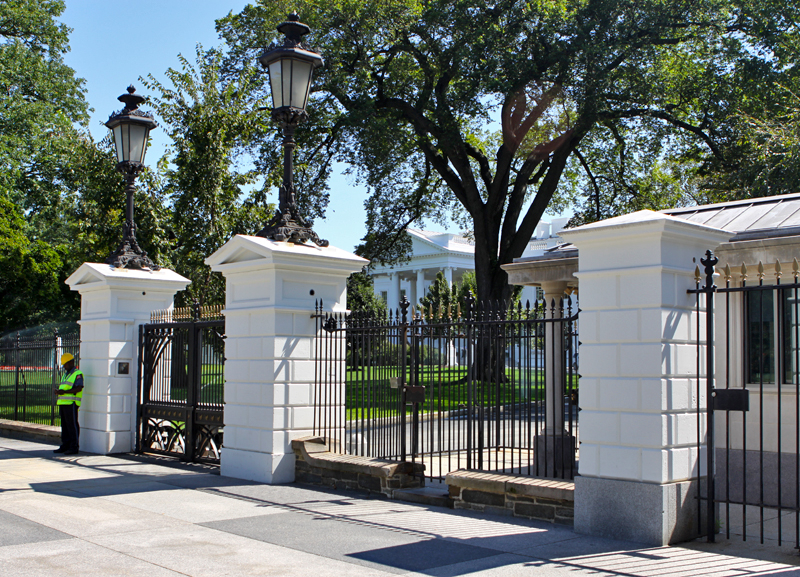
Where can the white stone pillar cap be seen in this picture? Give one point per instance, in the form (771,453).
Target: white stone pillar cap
(243,253)
(642,222)
(95,276)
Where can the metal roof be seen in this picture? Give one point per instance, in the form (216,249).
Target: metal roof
(749,219)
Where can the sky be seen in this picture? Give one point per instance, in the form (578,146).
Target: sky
(113,43)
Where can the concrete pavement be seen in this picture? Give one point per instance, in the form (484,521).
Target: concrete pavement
(92,515)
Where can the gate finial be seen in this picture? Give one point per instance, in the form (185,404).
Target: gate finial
(709,262)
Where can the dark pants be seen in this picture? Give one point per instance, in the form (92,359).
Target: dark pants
(70,429)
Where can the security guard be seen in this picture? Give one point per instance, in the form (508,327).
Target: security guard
(69,400)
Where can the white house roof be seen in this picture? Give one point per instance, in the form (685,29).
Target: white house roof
(444,240)
(751,219)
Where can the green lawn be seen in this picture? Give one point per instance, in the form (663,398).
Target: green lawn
(35,398)
(369,392)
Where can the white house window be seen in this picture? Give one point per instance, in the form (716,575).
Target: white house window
(385,296)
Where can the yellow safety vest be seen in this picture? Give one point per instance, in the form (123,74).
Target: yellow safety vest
(67,382)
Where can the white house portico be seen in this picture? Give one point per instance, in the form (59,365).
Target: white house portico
(452,254)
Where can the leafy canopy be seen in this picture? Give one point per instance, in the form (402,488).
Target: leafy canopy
(587,92)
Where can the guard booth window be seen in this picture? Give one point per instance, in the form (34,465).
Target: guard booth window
(765,339)
(760,331)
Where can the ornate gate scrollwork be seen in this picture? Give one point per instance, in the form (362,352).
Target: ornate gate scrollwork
(181,386)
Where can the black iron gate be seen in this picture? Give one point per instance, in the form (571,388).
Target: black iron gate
(752,389)
(451,388)
(181,384)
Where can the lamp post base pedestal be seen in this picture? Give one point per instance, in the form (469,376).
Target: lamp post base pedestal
(283,227)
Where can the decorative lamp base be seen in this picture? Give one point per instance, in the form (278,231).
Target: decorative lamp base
(129,255)
(285,228)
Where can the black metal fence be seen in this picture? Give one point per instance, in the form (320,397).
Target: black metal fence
(29,372)
(752,433)
(454,389)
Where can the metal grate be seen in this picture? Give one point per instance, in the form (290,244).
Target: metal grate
(29,372)
(451,388)
(183,314)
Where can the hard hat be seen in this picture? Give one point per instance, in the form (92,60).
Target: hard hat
(65,358)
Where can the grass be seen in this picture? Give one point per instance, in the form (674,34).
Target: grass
(369,392)
(35,398)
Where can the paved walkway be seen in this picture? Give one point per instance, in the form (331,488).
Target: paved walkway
(91,515)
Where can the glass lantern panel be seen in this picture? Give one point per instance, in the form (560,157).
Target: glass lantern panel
(276,80)
(138,136)
(301,80)
(286,84)
(117,133)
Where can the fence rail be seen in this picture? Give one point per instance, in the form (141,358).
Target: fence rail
(453,390)
(29,372)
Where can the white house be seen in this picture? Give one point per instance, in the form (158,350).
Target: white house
(454,255)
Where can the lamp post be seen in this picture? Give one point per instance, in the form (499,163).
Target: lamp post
(291,67)
(130,128)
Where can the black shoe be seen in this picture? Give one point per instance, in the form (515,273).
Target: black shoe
(71,452)
(61,450)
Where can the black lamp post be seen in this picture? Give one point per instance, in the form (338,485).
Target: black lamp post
(130,128)
(290,68)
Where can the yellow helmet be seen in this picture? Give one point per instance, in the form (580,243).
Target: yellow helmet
(65,358)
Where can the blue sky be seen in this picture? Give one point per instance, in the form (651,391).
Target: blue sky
(114,43)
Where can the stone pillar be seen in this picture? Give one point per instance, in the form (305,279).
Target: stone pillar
(271,291)
(553,357)
(552,456)
(638,423)
(448,276)
(114,302)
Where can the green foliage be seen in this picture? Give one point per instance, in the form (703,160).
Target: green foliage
(361,297)
(445,300)
(211,194)
(29,284)
(621,104)
(768,155)
(43,114)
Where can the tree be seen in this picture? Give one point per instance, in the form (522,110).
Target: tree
(211,125)
(441,298)
(768,154)
(412,88)
(361,297)
(43,116)
(29,280)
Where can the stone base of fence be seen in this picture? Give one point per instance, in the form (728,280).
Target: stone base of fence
(30,431)
(316,465)
(531,498)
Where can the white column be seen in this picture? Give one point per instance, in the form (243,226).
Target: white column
(114,302)
(394,291)
(271,291)
(638,423)
(420,285)
(448,276)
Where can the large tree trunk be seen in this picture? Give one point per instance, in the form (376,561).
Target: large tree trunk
(489,363)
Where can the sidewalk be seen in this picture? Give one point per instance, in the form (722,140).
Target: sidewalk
(92,515)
